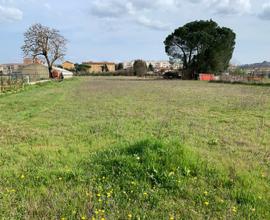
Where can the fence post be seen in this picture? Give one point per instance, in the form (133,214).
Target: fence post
(1,83)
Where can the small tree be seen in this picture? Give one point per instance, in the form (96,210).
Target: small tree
(42,41)
(82,68)
(140,68)
(151,67)
(120,66)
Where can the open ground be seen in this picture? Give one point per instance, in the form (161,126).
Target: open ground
(120,148)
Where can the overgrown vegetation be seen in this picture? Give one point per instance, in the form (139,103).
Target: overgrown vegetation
(127,149)
(10,83)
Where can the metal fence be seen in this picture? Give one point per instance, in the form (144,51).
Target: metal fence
(11,82)
(16,81)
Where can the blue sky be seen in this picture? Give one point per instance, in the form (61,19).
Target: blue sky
(118,30)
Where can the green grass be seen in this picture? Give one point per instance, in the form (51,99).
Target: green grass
(122,148)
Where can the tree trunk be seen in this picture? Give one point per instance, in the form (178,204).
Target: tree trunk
(49,66)
(188,74)
(50,72)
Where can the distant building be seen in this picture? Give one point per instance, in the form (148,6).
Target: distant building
(177,66)
(1,69)
(28,61)
(35,72)
(100,67)
(162,65)
(158,65)
(11,68)
(263,71)
(128,64)
(68,65)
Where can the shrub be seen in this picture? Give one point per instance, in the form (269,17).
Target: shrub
(140,68)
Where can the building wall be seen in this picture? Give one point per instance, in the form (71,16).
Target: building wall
(35,72)
(28,61)
(158,65)
(11,68)
(259,71)
(100,67)
(68,65)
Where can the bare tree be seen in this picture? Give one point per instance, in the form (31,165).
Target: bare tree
(43,41)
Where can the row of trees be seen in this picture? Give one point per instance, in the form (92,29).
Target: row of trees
(137,63)
(202,46)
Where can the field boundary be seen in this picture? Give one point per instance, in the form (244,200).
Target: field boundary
(242,83)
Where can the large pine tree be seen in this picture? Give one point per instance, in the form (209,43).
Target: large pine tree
(202,46)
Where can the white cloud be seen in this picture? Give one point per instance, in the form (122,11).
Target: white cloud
(231,6)
(133,9)
(9,14)
(137,9)
(152,24)
(265,13)
(226,6)
(47,6)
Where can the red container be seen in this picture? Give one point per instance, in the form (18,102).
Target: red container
(207,76)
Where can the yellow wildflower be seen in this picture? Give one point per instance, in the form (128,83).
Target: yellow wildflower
(145,194)
(129,216)
(206,203)
(171,218)
(102,219)
(234,209)
(22,176)
(205,193)
(83,218)
(98,195)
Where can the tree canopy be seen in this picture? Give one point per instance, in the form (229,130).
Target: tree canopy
(202,46)
(46,42)
(140,68)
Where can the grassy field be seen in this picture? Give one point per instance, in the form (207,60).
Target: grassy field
(116,148)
